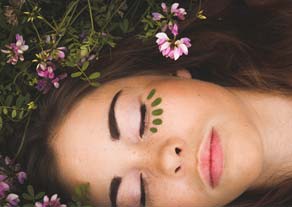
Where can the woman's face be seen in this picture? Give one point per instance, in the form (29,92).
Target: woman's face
(166,152)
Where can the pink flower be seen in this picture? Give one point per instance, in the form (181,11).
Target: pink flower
(47,202)
(46,69)
(164,7)
(170,49)
(12,200)
(15,50)
(21,176)
(4,187)
(179,12)
(59,53)
(55,81)
(173,28)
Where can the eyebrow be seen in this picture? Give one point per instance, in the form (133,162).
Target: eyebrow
(112,121)
(115,184)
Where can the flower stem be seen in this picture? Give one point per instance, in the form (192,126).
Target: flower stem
(91,17)
(23,137)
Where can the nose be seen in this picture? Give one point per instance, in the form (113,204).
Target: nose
(171,157)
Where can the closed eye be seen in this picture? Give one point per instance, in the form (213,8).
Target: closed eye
(142,123)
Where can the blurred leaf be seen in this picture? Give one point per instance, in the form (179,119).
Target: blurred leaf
(94,75)
(76,74)
(30,190)
(85,66)
(13,113)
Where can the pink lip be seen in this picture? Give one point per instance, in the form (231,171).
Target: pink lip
(211,159)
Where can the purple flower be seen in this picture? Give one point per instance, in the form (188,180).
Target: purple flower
(43,86)
(15,50)
(47,202)
(21,176)
(157,16)
(4,187)
(12,200)
(172,50)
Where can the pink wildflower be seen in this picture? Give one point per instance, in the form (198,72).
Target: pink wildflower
(21,176)
(15,50)
(179,12)
(59,53)
(170,49)
(12,200)
(173,28)
(47,202)
(4,187)
(46,69)
(55,81)
(164,7)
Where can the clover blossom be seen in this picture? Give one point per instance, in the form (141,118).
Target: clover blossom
(4,187)
(179,12)
(12,200)
(21,177)
(15,51)
(174,10)
(171,49)
(53,202)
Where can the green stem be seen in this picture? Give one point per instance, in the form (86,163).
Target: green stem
(23,137)
(87,78)
(91,17)
(38,34)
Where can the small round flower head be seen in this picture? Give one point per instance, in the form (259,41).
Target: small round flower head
(172,50)
(47,202)
(15,51)
(12,200)
(21,176)
(4,187)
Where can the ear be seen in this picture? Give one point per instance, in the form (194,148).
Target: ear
(183,73)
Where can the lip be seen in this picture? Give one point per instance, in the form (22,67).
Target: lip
(211,159)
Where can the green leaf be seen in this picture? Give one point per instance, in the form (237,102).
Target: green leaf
(1,122)
(157,121)
(5,110)
(13,113)
(26,196)
(157,112)
(151,94)
(76,74)
(40,195)
(30,190)
(19,101)
(153,129)
(28,205)
(85,66)
(156,102)
(9,100)
(20,114)
(94,75)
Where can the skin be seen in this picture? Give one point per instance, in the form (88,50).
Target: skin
(247,124)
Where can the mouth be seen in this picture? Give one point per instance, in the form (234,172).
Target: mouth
(211,159)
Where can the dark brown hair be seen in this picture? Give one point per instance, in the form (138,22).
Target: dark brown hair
(243,44)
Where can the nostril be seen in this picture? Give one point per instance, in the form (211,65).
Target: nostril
(177,150)
(177,169)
